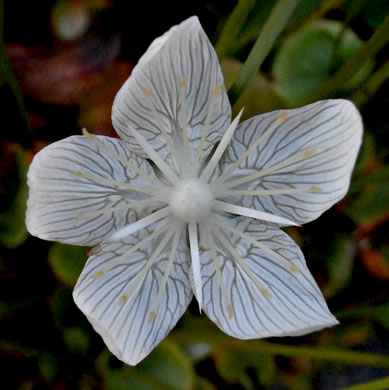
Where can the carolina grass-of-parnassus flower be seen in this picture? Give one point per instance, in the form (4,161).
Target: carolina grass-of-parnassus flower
(189,202)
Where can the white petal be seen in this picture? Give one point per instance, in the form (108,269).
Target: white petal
(276,297)
(119,302)
(151,101)
(73,185)
(312,149)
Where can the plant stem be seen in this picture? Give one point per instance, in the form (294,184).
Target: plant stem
(269,33)
(232,27)
(364,92)
(322,353)
(379,384)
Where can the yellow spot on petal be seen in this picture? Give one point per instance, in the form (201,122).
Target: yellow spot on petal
(182,83)
(98,275)
(217,91)
(146,92)
(152,316)
(316,189)
(123,299)
(293,268)
(266,293)
(230,311)
(282,118)
(79,216)
(309,153)
(78,174)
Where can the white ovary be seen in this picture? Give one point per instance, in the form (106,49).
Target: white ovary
(191,200)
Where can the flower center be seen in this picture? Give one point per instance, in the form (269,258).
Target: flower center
(191,200)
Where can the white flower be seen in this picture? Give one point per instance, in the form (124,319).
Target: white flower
(189,202)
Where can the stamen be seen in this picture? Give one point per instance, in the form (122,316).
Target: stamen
(246,212)
(208,170)
(262,288)
(140,224)
(162,286)
(288,264)
(195,256)
(118,260)
(163,129)
(139,278)
(277,123)
(279,191)
(266,171)
(115,183)
(216,92)
(219,277)
(118,157)
(165,169)
(106,210)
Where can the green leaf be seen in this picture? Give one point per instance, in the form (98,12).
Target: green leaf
(233,363)
(76,340)
(372,203)
(203,384)
(48,365)
(169,365)
(373,11)
(67,262)
(13,194)
(309,57)
(340,265)
(166,368)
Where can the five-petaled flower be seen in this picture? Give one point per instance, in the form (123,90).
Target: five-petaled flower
(187,202)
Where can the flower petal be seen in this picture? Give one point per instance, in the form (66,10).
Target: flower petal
(75,184)
(303,162)
(268,289)
(179,76)
(118,291)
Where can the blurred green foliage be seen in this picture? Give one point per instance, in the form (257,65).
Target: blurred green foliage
(311,55)
(46,343)
(67,262)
